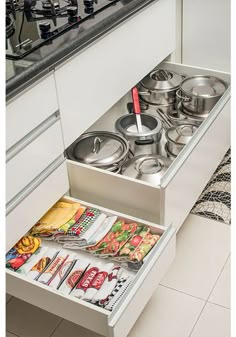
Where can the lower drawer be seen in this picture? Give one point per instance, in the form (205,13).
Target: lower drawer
(23,213)
(33,158)
(111,324)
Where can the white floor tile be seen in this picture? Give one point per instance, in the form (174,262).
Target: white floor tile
(8,297)
(169,313)
(9,334)
(221,292)
(203,246)
(213,322)
(26,320)
(68,329)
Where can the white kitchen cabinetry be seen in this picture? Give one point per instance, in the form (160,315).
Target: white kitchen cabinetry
(91,82)
(206,34)
(29,109)
(88,87)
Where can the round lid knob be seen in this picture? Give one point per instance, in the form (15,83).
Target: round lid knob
(45,26)
(72,10)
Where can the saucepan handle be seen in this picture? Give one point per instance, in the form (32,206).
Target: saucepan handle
(182,98)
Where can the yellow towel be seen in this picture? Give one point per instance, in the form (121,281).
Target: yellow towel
(57,216)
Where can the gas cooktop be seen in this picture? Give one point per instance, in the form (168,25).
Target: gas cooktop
(31,24)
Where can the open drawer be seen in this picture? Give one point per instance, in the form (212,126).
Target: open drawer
(181,185)
(111,324)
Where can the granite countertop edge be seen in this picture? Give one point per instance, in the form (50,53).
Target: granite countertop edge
(42,67)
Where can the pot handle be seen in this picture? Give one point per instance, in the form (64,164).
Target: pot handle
(144,93)
(182,98)
(96,144)
(159,165)
(183,76)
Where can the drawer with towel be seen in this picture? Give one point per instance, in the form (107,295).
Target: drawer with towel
(117,320)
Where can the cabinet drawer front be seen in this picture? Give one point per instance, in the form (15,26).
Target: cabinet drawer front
(33,159)
(107,189)
(32,107)
(131,51)
(110,324)
(32,207)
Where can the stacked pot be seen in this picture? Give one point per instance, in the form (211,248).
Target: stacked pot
(159,88)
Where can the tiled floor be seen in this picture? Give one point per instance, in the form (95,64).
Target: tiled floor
(193,299)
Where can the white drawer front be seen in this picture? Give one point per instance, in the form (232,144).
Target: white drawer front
(30,109)
(131,51)
(31,208)
(115,191)
(111,324)
(33,159)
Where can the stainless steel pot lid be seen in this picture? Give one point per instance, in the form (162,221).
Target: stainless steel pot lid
(180,134)
(99,148)
(204,86)
(150,168)
(161,79)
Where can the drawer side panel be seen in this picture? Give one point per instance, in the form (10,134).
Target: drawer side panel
(146,287)
(186,186)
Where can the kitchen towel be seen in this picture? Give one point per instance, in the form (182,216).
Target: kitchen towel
(42,264)
(57,216)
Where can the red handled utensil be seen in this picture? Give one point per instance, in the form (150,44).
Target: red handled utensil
(137,109)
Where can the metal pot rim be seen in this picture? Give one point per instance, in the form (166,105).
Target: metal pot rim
(153,132)
(187,93)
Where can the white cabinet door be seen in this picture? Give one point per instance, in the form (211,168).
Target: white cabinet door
(206,34)
(90,83)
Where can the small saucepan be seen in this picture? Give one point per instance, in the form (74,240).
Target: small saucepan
(178,136)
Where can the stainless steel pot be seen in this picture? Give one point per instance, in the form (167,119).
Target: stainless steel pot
(170,155)
(145,142)
(102,149)
(160,86)
(199,94)
(149,168)
(178,136)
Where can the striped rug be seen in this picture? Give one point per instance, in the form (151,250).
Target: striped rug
(215,200)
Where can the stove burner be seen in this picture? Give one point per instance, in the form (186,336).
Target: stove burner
(35,23)
(48,5)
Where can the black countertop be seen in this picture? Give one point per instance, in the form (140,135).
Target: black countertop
(22,73)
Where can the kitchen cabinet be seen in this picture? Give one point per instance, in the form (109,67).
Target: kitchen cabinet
(164,207)
(91,82)
(206,34)
(106,72)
